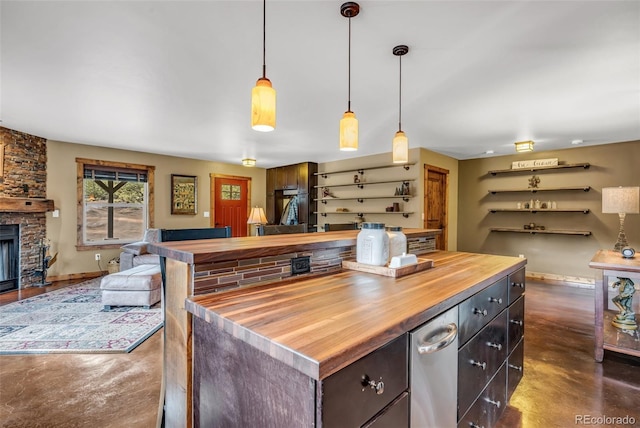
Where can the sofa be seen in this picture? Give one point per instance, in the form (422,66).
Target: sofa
(135,254)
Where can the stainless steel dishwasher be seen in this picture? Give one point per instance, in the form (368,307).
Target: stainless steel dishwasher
(433,374)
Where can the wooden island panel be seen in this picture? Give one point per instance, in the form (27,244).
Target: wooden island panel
(323,324)
(248,247)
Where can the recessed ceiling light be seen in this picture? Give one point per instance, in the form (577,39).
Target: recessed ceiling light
(576,142)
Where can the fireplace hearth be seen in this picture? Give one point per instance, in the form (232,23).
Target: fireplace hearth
(9,255)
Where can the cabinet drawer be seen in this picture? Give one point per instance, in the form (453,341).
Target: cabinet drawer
(394,416)
(479,309)
(515,368)
(516,285)
(488,408)
(516,323)
(480,359)
(346,398)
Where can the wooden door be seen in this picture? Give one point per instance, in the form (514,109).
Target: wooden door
(436,192)
(230,203)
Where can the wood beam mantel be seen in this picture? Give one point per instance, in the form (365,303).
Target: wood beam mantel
(25,205)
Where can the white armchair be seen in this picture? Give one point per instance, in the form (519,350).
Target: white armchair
(135,254)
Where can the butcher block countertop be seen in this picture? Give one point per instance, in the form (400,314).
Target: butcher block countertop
(322,324)
(219,250)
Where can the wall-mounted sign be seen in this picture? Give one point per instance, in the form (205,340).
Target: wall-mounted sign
(537,163)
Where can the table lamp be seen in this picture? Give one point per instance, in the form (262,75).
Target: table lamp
(621,201)
(257,217)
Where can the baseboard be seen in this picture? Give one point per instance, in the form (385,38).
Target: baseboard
(75,276)
(572,281)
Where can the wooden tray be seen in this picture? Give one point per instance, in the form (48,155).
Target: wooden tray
(423,264)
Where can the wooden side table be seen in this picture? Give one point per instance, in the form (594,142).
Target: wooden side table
(612,266)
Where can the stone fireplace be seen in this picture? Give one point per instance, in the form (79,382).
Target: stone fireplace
(23,207)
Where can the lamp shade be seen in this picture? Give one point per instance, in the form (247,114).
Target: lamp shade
(348,132)
(256,216)
(524,146)
(263,106)
(400,148)
(616,200)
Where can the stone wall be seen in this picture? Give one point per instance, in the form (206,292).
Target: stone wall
(25,176)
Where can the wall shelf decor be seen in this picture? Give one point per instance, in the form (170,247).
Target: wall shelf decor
(536,190)
(541,207)
(540,168)
(545,231)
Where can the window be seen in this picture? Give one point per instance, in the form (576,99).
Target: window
(230,192)
(114,203)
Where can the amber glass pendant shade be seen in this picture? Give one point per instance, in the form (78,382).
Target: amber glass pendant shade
(263,106)
(348,132)
(400,148)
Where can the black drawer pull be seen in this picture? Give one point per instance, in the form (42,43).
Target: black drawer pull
(517,284)
(494,345)
(519,368)
(495,403)
(378,387)
(483,366)
(494,300)
(475,425)
(518,322)
(482,312)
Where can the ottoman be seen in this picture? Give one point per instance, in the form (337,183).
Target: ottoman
(138,286)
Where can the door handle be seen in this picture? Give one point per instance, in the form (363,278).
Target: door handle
(430,347)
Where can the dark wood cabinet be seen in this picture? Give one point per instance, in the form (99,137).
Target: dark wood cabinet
(287,177)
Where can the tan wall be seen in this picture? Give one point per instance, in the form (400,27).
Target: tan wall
(564,256)
(415,205)
(61,187)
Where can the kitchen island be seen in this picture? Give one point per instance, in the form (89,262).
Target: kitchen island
(332,351)
(268,354)
(205,266)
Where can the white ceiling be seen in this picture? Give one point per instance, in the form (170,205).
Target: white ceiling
(175,77)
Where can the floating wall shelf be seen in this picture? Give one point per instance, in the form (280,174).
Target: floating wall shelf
(361,171)
(515,210)
(361,200)
(540,168)
(362,213)
(536,190)
(542,232)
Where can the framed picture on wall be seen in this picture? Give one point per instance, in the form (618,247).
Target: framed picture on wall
(184,194)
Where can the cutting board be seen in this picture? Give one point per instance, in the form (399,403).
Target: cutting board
(423,264)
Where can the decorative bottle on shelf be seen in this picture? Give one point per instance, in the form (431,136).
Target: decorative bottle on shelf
(372,246)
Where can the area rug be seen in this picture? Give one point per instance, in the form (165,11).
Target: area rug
(73,320)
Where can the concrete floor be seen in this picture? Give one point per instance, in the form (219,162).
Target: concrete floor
(561,381)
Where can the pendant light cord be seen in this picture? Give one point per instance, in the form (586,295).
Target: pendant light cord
(400,97)
(349,70)
(264,39)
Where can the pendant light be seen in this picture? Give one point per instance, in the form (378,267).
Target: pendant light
(349,123)
(263,96)
(400,145)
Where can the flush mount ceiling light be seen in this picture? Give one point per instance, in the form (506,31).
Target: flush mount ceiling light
(400,145)
(524,146)
(263,96)
(248,162)
(349,123)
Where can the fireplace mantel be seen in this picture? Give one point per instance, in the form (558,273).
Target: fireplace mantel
(25,205)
